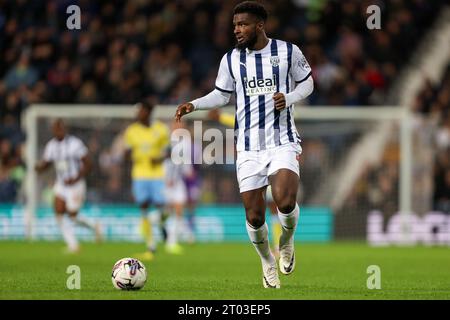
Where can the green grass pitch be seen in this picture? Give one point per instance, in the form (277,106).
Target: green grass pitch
(226,271)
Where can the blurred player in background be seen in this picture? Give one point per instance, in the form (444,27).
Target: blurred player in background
(71,161)
(268,76)
(147,143)
(193,183)
(227,119)
(176,192)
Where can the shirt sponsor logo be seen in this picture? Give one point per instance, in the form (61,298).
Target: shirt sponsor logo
(257,87)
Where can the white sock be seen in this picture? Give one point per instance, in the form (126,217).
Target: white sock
(175,230)
(68,232)
(288,224)
(260,239)
(83,222)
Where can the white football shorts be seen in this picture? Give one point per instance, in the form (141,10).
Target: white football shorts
(73,195)
(254,167)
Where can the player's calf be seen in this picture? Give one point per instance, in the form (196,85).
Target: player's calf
(286,246)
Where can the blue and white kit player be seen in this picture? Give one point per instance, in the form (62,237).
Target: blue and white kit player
(268,77)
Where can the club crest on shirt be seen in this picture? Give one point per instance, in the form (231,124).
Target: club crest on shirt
(275,61)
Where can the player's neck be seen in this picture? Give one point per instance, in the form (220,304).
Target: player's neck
(261,43)
(145,123)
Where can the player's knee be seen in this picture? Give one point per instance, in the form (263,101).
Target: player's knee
(255,219)
(287,204)
(256,222)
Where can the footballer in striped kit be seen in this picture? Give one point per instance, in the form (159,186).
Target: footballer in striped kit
(268,77)
(70,158)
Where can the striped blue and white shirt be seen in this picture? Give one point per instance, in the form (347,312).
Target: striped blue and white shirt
(255,76)
(66,156)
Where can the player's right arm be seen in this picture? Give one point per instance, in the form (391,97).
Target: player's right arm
(128,143)
(127,155)
(214,99)
(47,159)
(183,109)
(219,97)
(42,165)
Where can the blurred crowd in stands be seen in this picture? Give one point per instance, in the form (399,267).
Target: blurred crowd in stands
(169,50)
(378,186)
(434,103)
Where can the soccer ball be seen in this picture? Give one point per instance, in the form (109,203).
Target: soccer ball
(129,274)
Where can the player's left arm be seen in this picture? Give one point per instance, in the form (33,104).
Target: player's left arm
(46,161)
(82,153)
(302,75)
(42,165)
(128,145)
(86,166)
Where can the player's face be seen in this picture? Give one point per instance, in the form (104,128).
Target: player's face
(143,114)
(245,30)
(59,130)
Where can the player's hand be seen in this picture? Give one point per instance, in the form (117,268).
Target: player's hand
(38,167)
(214,115)
(71,181)
(156,161)
(183,109)
(279,100)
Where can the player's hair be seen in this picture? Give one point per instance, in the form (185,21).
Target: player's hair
(147,105)
(252,7)
(59,121)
